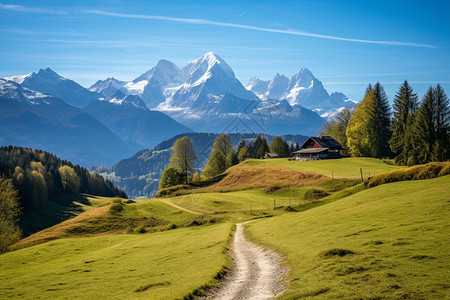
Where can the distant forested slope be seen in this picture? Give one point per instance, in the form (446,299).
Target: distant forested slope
(41,176)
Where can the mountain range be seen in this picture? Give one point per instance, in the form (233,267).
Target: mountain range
(206,96)
(113,118)
(40,121)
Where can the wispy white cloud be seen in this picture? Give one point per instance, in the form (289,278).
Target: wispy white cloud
(387,82)
(385,74)
(131,44)
(39,10)
(250,27)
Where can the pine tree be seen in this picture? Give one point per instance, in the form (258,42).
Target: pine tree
(383,122)
(262,148)
(279,146)
(405,105)
(441,149)
(425,132)
(240,146)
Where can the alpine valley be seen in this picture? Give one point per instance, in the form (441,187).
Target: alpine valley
(109,121)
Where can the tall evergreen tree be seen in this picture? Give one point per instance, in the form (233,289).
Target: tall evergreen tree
(441,149)
(424,128)
(262,148)
(240,146)
(383,122)
(279,146)
(405,105)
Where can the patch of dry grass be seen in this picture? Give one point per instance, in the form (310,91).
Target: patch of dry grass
(247,177)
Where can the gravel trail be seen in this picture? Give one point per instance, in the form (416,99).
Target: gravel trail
(256,273)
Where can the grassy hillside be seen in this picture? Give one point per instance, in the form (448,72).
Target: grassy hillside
(64,207)
(389,241)
(142,216)
(339,239)
(341,168)
(161,265)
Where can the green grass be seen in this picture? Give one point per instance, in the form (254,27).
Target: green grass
(342,168)
(161,265)
(399,234)
(243,205)
(396,237)
(58,210)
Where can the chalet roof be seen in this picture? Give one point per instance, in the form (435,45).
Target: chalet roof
(311,151)
(324,141)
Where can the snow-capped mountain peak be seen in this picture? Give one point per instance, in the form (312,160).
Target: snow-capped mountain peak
(258,86)
(203,66)
(165,72)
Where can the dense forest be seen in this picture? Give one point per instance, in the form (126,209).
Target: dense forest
(410,131)
(40,176)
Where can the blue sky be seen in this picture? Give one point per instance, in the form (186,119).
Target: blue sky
(346,44)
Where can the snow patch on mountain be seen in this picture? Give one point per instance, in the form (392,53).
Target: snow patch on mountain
(13,90)
(18,78)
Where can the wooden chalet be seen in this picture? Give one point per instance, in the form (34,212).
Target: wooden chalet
(321,147)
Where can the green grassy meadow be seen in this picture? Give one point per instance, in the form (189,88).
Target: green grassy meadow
(398,232)
(341,168)
(339,239)
(160,265)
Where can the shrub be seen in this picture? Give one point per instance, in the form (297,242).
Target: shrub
(172,191)
(272,189)
(116,208)
(428,171)
(117,200)
(171,177)
(445,171)
(314,194)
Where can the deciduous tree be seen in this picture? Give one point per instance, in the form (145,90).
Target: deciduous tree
(216,164)
(183,156)
(9,214)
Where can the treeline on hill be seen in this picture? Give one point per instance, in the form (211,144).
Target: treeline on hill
(40,176)
(411,132)
(223,156)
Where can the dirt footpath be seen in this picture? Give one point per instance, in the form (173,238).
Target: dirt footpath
(256,273)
